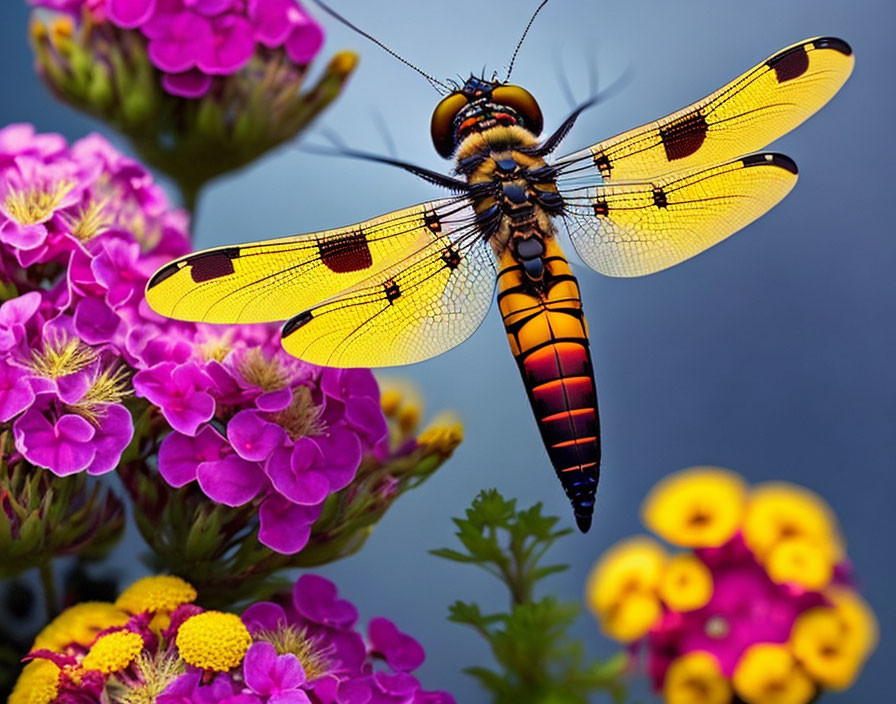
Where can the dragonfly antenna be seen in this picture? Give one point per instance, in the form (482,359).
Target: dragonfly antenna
(523,38)
(434,82)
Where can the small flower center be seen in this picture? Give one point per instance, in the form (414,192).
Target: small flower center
(153,674)
(113,652)
(258,370)
(291,639)
(34,205)
(301,418)
(109,386)
(213,640)
(717,627)
(89,221)
(60,357)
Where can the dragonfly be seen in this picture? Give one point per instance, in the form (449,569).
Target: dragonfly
(409,285)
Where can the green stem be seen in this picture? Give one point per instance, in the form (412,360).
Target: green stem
(51,596)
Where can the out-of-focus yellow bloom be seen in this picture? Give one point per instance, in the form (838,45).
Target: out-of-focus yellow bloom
(622,588)
(443,435)
(632,617)
(38,684)
(833,642)
(113,652)
(686,584)
(777,511)
(157,594)
(79,624)
(859,623)
(697,507)
(800,561)
(767,673)
(213,640)
(696,678)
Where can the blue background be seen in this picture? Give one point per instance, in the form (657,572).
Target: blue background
(771,354)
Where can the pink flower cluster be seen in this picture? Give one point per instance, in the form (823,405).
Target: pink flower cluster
(192,41)
(81,231)
(746,607)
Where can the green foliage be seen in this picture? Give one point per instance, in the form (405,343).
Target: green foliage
(539,662)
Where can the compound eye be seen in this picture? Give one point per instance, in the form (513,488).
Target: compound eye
(442,125)
(521,101)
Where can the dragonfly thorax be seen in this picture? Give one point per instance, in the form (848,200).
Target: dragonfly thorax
(514,192)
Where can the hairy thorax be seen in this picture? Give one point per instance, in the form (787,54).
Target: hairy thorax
(515,192)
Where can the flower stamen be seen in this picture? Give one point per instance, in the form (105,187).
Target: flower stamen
(36,204)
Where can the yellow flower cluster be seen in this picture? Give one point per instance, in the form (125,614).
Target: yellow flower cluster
(76,632)
(627,588)
(213,640)
(790,530)
(786,535)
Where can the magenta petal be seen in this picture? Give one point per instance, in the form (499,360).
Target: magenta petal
(304,42)
(130,13)
(230,48)
(231,481)
(285,526)
(264,616)
(179,41)
(115,431)
(72,387)
(274,401)
(23,236)
(252,437)
(317,599)
(366,416)
(63,448)
(342,454)
(16,394)
(95,322)
(265,672)
(294,474)
(180,455)
(189,84)
(402,652)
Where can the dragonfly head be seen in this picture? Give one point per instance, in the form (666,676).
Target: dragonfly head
(480,105)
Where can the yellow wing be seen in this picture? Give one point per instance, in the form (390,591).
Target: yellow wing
(410,311)
(746,115)
(272,280)
(632,229)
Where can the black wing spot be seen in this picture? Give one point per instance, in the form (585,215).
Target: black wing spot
(207,266)
(659,198)
(601,208)
(165,272)
(684,136)
(603,163)
(391,290)
(790,64)
(345,253)
(296,322)
(771,158)
(833,43)
(431,220)
(451,257)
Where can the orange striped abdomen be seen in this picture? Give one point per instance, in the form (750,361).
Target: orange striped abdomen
(549,339)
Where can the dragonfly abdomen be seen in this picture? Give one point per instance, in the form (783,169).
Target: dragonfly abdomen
(549,339)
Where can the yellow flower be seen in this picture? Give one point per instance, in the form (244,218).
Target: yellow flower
(79,624)
(686,583)
(443,435)
(38,684)
(157,593)
(697,507)
(695,678)
(832,643)
(768,674)
(776,511)
(622,588)
(213,640)
(858,620)
(800,561)
(113,652)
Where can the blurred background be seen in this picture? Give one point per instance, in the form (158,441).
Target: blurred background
(771,354)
